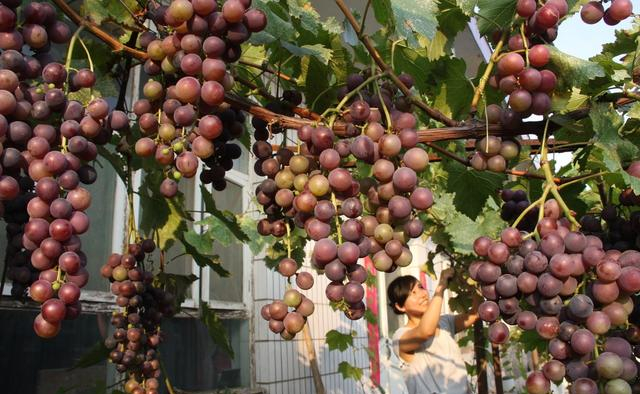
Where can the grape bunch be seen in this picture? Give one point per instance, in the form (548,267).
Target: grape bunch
(38,28)
(183,118)
(348,214)
(281,320)
(515,202)
(618,225)
(494,153)
(48,140)
(572,293)
(137,325)
(593,11)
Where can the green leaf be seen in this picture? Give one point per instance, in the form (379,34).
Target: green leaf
(318,51)
(435,47)
(634,111)
(617,152)
(202,258)
(97,354)
(464,231)
(279,26)
(531,340)
(256,241)
(370,317)
(566,102)
(337,340)
(454,90)
(217,331)
(178,285)
(383,13)
(573,71)
(492,14)
(472,188)
(415,16)
(452,19)
(114,11)
(348,371)
(226,218)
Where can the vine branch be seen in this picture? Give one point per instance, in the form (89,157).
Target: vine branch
(98,32)
(375,55)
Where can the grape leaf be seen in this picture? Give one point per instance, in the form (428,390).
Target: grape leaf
(451,19)
(348,371)
(200,248)
(436,47)
(217,331)
(310,19)
(454,91)
(318,51)
(617,151)
(573,71)
(338,341)
(472,188)
(492,14)
(383,13)
(415,16)
(256,241)
(178,285)
(225,218)
(463,231)
(563,102)
(119,12)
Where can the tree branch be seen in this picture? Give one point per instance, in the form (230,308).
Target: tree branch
(303,112)
(98,32)
(432,112)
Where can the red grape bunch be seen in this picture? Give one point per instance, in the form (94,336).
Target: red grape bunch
(619,10)
(137,325)
(38,28)
(348,214)
(281,320)
(571,292)
(494,153)
(183,118)
(47,139)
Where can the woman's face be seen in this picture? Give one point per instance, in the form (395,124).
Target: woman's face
(417,301)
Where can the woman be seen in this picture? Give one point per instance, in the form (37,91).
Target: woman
(432,359)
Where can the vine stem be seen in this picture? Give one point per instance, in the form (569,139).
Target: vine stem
(67,66)
(352,93)
(288,239)
(98,32)
(538,202)
(267,69)
(387,116)
(580,179)
(383,66)
(335,204)
(524,43)
(546,168)
(487,72)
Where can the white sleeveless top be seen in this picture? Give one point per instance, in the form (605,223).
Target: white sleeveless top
(437,367)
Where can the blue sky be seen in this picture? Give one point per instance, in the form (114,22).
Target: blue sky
(582,40)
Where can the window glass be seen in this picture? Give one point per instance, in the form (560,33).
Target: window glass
(194,363)
(97,241)
(228,289)
(29,364)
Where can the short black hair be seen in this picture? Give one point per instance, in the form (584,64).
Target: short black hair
(399,290)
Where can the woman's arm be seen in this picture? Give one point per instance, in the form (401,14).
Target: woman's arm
(466,320)
(412,339)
